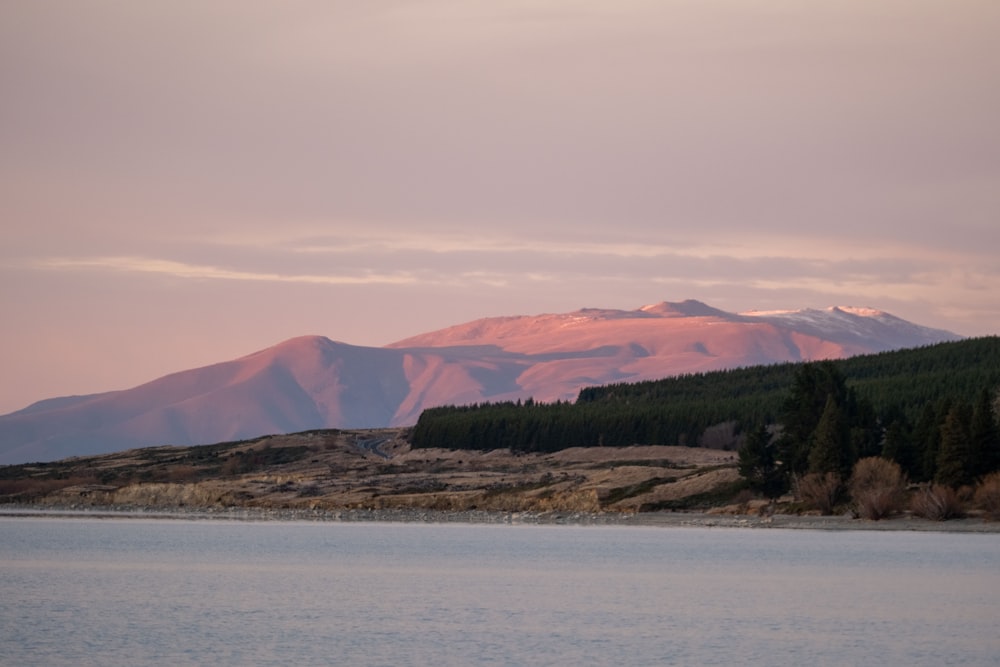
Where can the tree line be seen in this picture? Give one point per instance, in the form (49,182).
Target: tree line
(930,409)
(825,427)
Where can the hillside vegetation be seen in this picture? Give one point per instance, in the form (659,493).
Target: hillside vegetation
(331,470)
(682,410)
(931,411)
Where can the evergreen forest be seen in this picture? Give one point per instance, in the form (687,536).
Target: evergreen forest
(932,410)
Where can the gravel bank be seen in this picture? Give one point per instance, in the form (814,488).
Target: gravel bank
(650,519)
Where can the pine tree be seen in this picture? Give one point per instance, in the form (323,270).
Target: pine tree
(831,442)
(759,465)
(866,432)
(899,446)
(812,387)
(985,436)
(927,438)
(955,456)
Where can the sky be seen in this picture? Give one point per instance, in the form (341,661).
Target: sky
(184,182)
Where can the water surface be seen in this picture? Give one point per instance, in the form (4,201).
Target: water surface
(136,592)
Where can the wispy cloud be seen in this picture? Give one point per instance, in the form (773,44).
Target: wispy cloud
(193,271)
(185,270)
(834,266)
(733,246)
(842,271)
(446,243)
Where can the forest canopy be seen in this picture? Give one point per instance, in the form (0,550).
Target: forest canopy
(924,408)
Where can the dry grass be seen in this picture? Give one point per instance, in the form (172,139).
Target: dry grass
(330,470)
(31,488)
(560,501)
(877,487)
(696,483)
(170,495)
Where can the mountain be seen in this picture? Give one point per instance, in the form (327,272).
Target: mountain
(313,382)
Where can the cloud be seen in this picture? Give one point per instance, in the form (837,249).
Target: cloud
(828,267)
(184,270)
(629,243)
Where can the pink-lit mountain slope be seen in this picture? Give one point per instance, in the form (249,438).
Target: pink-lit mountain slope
(313,382)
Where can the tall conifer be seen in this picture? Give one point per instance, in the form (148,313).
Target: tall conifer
(759,465)
(985,435)
(955,457)
(831,442)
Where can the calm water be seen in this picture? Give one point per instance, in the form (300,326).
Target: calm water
(139,592)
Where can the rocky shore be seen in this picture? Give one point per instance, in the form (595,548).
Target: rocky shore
(480,517)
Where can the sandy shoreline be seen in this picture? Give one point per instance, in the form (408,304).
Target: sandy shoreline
(646,519)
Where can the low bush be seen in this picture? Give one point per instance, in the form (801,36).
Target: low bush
(987,496)
(877,487)
(819,491)
(937,502)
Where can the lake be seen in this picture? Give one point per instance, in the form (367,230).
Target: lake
(86,591)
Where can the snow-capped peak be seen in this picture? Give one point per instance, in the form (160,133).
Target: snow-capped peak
(860,311)
(845,323)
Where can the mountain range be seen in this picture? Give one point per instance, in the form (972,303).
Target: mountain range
(313,382)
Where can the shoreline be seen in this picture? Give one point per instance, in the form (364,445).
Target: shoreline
(481,517)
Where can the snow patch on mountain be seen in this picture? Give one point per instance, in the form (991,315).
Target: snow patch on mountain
(871,327)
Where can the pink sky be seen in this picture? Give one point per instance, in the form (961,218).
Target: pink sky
(187,182)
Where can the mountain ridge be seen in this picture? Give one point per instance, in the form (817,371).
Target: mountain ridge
(309,382)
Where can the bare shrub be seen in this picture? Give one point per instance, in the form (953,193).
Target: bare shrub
(877,487)
(819,490)
(966,494)
(988,496)
(720,436)
(937,502)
